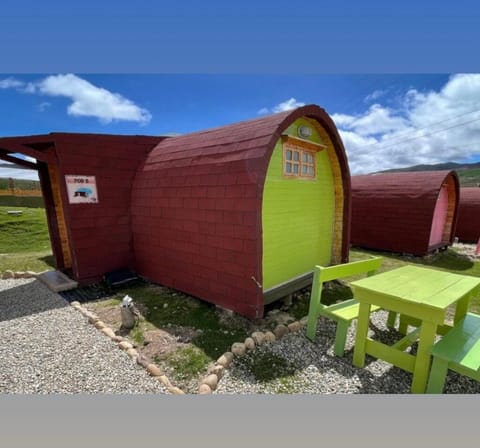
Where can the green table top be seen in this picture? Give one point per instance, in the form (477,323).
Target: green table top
(415,285)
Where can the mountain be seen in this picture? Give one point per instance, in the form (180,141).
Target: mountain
(437,167)
(468,173)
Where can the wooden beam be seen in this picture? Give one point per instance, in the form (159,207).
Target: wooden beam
(5,156)
(19,147)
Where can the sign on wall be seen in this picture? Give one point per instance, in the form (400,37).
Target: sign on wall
(81,189)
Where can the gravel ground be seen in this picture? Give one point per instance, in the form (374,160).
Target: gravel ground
(318,371)
(46,346)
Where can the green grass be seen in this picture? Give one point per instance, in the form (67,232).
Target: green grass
(24,240)
(469,178)
(187,362)
(22,201)
(166,308)
(266,366)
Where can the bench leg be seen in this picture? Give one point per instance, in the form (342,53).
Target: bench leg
(403,325)
(312,325)
(392,316)
(438,374)
(341,337)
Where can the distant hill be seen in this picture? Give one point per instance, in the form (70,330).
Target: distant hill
(468,173)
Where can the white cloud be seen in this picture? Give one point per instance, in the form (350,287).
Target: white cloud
(427,128)
(87,100)
(42,107)
(11,83)
(17,173)
(290,104)
(374,95)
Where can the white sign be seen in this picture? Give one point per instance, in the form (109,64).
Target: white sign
(81,189)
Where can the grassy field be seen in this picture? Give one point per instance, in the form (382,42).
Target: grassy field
(469,178)
(24,240)
(21,184)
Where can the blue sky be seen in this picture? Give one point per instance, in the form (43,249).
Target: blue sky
(385,121)
(159,67)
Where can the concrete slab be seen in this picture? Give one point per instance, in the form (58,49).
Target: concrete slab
(57,281)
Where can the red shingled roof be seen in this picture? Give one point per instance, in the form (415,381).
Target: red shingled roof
(468,226)
(394,211)
(196,207)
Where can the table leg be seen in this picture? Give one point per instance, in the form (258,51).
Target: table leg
(461,309)
(362,333)
(422,362)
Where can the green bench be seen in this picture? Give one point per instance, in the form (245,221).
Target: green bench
(345,312)
(458,350)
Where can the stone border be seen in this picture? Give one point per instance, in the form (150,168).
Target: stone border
(126,346)
(238,349)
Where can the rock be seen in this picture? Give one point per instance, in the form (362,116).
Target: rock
(19,274)
(249,344)
(219,371)
(204,389)
(154,370)
(164,380)
(294,326)
(238,348)
(8,274)
(280,331)
(176,391)
(132,353)
(75,303)
(117,338)
(143,361)
(125,345)
(93,318)
(99,324)
(304,321)
(211,381)
(269,337)
(108,332)
(128,317)
(84,311)
(30,274)
(226,359)
(258,337)
(280,317)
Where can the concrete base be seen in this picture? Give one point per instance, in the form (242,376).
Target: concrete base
(57,281)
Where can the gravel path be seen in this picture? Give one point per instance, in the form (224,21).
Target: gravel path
(46,346)
(318,371)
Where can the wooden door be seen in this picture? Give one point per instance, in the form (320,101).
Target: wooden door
(439,217)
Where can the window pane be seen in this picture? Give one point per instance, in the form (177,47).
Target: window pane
(304,157)
(304,169)
(288,154)
(310,158)
(296,156)
(288,167)
(310,170)
(295,169)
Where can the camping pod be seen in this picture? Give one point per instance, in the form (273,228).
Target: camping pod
(240,215)
(468,226)
(408,212)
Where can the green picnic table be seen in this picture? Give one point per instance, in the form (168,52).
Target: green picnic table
(419,293)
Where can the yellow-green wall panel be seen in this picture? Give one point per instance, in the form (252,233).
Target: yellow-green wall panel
(297,217)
